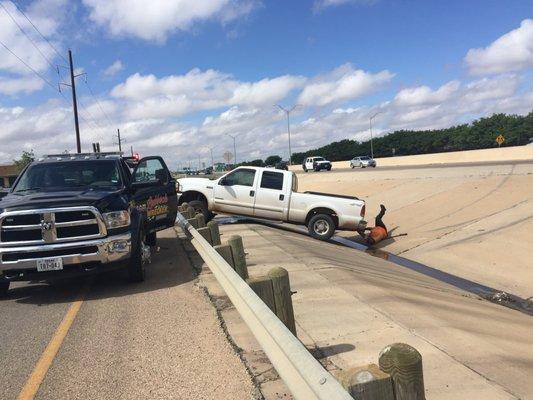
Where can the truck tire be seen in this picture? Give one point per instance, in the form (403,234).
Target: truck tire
(321,226)
(317,169)
(140,256)
(151,239)
(305,169)
(201,208)
(329,168)
(4,287)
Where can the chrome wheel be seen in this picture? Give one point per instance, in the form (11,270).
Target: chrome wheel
(321,227)
(146,254)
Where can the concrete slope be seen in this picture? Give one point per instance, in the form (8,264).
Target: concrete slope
(350,300)
(476,221)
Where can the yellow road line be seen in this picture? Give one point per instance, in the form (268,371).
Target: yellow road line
(38,374)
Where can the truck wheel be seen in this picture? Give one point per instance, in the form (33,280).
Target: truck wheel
(201,208)
(4,287)
(140,256)
(321,226)
(317,169)
(305,169)
(353,166)
(151,239)
(329,168)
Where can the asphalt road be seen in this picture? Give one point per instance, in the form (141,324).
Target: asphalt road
(157,339)
(425,166)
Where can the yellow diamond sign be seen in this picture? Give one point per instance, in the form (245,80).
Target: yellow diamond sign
(500,139)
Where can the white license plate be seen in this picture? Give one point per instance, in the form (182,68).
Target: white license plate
(50,264)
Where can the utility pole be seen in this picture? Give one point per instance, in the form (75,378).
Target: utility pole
(371,142)
(288,112)
(131,148)
(212,159)
(119,141)
(74,101)
(234,148)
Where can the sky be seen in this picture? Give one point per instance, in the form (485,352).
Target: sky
(178,77)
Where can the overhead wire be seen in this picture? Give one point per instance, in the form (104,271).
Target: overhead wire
(27,36)
(39,32)
(29,66)
(92,122)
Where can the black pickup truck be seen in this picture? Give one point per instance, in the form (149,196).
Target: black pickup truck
(84,213)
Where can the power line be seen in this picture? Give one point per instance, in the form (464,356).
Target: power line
(27,36)
(29,67)
(39,32)
(97,102)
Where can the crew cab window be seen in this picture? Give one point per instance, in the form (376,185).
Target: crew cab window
(150,170)
(242,177)
(272,180)
(95,174)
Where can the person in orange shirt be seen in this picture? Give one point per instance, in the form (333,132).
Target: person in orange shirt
(378,232)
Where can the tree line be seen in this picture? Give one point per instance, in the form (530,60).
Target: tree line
(479,134)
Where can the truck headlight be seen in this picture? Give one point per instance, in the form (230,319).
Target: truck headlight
(116,219)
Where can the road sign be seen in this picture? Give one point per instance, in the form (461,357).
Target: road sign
(500,139)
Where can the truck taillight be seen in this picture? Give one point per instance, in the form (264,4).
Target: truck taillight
(363,210)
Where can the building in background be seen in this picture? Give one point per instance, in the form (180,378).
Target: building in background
(8,174)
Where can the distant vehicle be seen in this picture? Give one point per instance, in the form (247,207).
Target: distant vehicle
(208,171)
(316,164)
(190,171)
(284,165)
(272,194)
(362,162)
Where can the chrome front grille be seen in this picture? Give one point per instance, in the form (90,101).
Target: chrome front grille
(52,225)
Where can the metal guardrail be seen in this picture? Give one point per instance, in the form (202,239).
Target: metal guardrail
(302,373)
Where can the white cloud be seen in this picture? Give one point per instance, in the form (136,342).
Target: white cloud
(24,84)
(114,68)
(342,84)
(175,95)
(44,14)
(320,5)
(424,94)
(157,19)
(511,52)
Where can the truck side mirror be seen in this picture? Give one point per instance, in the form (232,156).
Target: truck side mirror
(223,182)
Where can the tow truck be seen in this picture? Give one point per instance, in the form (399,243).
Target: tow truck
(76,214)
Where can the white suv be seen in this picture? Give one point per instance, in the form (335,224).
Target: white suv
(316,164)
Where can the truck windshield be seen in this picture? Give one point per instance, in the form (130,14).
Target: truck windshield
(319,159)
(68,175)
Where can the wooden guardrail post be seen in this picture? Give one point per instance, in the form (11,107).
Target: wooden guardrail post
(282,297)
(262,286)
(201,220)
(190,213)
(193,222)
(215,233)
(225,251)
(366,382)
(239,258)
(206,234)
(404,364)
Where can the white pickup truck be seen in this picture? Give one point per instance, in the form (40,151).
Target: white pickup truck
(272,194)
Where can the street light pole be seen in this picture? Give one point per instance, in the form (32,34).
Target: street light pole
(371,138)
(234,148)
(288,112)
